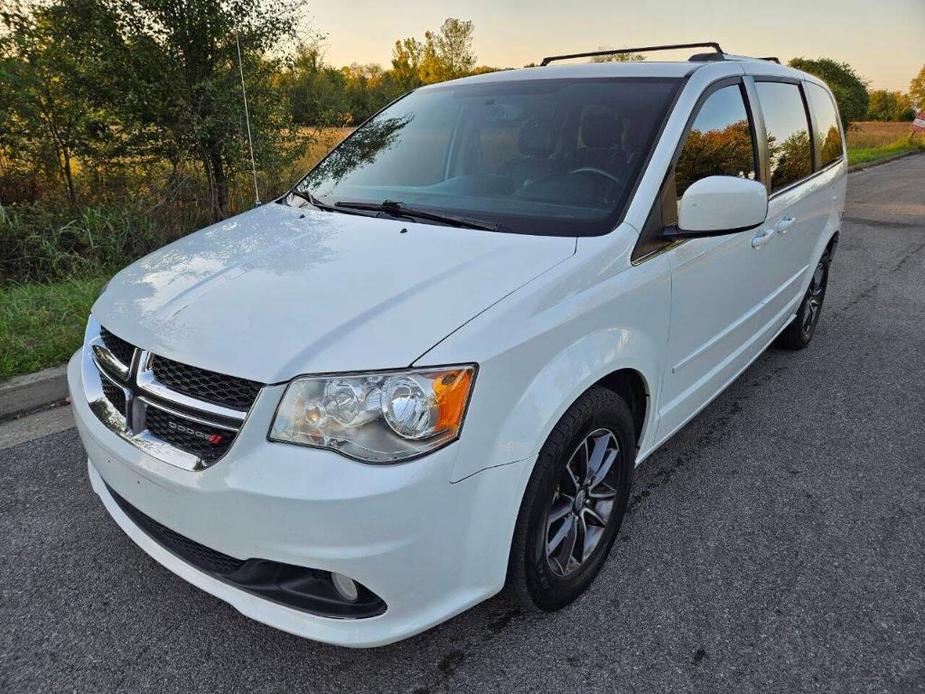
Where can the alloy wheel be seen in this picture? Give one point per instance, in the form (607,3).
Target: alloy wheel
(582,503)
(814,296)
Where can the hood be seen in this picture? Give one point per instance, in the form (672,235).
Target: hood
(279,291)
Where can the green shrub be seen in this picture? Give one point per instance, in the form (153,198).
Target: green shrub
(50,244)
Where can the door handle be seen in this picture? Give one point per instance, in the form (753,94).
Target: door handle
(784,224)
(762,237)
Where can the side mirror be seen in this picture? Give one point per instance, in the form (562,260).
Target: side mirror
(719,205)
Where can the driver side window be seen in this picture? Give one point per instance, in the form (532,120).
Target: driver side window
(720,143)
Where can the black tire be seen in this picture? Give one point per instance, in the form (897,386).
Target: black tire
(800,332)
(535,581)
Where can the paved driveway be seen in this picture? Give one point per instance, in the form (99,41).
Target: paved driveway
(776,544)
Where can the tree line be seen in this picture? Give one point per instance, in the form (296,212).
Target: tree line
(104,101)
(323,95)
(855,101)
(95,91)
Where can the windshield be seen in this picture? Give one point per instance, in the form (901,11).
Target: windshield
(554,157)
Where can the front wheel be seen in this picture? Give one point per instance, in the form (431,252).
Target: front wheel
(802,328)
(574,503)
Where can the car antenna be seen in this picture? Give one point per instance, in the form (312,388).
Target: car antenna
(247,117)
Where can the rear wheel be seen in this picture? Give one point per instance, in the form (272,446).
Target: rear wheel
(574,503)
(802,328)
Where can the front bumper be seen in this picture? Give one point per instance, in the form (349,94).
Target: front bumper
(428,547)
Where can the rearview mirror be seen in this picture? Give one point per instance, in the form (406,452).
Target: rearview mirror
(721,205)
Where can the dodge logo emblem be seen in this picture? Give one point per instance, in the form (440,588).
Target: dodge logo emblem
(214,439)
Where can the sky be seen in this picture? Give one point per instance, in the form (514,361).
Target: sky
(884,40)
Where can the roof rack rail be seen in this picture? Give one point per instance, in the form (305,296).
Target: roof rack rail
(771,59)
(707,57)
(642,49)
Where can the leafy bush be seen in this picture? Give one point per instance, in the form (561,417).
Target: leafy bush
(890,106)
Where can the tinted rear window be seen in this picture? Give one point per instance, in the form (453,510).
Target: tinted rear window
(828,128)
(789,144)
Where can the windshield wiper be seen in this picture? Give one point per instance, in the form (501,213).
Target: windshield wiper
(398,209)
(315,202)
(312,200)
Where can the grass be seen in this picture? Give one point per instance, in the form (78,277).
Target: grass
(53,243)
(864,155)
(41,325)
(869,141)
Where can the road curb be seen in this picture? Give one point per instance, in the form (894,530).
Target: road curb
(33,391)
(878,162)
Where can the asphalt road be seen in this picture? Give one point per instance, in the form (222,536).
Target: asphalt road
(776,544)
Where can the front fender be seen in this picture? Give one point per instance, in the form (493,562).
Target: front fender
(542,347)
(522,432)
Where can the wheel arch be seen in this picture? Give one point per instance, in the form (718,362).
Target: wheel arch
(619,359)
(632,386)
(832,244)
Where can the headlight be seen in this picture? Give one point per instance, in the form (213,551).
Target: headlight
(380,417)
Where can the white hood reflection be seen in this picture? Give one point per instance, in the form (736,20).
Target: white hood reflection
(279,291)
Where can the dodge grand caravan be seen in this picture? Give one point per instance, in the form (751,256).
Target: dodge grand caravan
(426,373)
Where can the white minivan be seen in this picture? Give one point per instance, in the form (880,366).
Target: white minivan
(427,372)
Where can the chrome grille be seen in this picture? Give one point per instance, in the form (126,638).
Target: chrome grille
(115,395)
(183,415)
(220,389)
(209,443)
(121,350)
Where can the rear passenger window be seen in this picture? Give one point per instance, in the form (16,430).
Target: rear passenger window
(720,142)
(789,146)
(828,129)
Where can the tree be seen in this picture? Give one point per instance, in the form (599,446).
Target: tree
(407,56)
(317,93)
(917,89)
(889,106)
(442,55)
(448,53)
(368,88)
(849,89)
(172,73)
(49,117)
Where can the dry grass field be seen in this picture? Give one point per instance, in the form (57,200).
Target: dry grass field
(873,133)
(872,140)
(323,141)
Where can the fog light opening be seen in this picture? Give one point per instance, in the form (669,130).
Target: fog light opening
(347,587)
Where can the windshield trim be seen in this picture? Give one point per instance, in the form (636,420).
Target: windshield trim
(577,228)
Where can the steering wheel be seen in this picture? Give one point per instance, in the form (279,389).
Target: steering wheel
(614,181)
(599,172)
